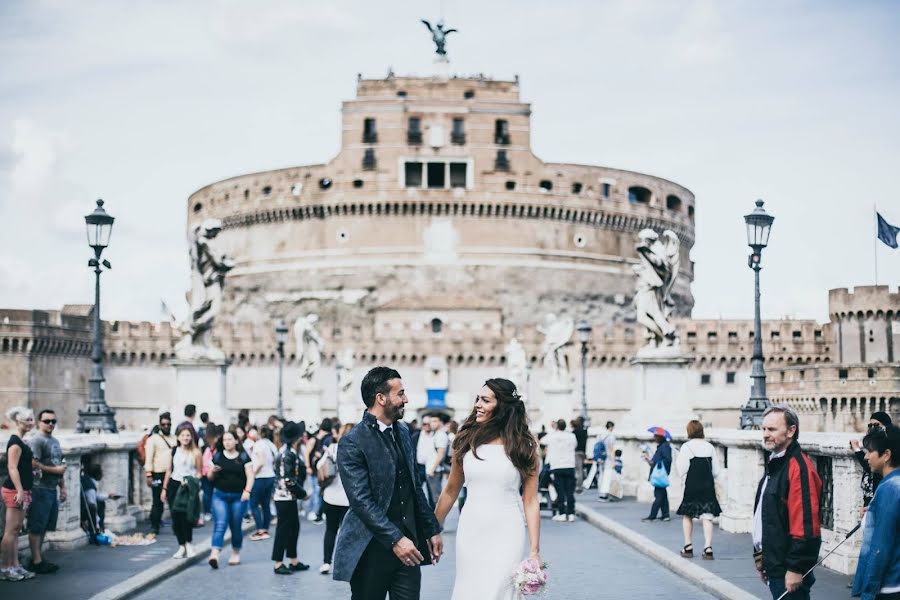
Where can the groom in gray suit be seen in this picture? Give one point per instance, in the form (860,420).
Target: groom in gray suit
(390,528)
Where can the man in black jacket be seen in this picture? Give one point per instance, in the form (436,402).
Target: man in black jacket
(786,518)
(390,528)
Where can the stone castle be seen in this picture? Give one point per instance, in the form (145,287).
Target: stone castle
(431,240)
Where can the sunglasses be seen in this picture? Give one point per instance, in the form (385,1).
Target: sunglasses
(874,425)
(48,421)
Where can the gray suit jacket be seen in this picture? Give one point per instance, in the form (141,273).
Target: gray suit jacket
(367,473)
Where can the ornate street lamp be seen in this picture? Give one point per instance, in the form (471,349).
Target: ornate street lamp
(97,415)
(281,332)
(759,225)
(584,336)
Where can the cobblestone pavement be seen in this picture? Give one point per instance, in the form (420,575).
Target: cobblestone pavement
(584,564)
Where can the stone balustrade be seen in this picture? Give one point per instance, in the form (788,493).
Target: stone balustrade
(741,458)
(122,476)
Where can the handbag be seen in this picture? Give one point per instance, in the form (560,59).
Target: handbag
(659,477)
(326,468)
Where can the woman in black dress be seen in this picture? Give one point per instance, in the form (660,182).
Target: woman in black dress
(699,466)
(16,493)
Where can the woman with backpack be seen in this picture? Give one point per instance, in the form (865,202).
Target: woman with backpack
(289,475)
(334,498)
(263,455)
(184,504)
(232,477)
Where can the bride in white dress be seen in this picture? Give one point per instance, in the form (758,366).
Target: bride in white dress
(494,455)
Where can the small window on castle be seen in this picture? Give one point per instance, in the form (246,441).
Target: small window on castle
(510,185)
(413,174)
(296,189)
(325,183)
(370,135)
(712,336)
(436,325)
(730,376)
(673,202)
(457,175)
(638,195)
(368,161)
(501,163)
(775,335)
(692,335)
(436,178)
(501,131)
(414,131)
(691,212)
(469,94)
(797,335)
(357,183)
(246,194)
(267,190)
(817,334)
(802,374)
(546,185)
(458,134)
(732,336)
(843,374)
(705,379)
(401,93)
(605,189)
(871,373)
(576,188)
(198,207)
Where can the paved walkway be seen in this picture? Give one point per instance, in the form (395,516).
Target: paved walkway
(733,562)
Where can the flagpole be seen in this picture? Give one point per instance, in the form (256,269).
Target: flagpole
(875,240)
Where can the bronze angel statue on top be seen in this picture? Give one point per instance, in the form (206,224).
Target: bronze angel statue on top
(439,36)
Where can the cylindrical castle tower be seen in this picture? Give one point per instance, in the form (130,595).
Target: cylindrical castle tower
(436,193)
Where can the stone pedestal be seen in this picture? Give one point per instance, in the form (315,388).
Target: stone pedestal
(441,68)
(307,405)
(660,394)
(742,477)
(350,407)
(559,403)
(115,481)
(201,383)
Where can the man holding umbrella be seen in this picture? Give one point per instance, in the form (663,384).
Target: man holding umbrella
(660,467)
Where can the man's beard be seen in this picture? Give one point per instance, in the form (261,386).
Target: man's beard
(394,413)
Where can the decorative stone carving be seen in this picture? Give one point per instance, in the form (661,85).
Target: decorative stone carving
(656,273)
(557,332)
(309,348)
(516,362)
(208,269)
(345,364)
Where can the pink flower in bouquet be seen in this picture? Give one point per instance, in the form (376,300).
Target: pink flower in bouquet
(530,577)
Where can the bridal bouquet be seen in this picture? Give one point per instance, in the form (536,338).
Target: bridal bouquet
(530,577)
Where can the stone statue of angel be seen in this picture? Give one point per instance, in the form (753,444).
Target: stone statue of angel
(516,362)
(439,36)
(557,333)
(309,348)
(656,273)
(345,366)
(209,266)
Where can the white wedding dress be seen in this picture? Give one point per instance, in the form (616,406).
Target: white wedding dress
(490,537)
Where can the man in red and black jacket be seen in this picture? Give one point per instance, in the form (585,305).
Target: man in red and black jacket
(786,525)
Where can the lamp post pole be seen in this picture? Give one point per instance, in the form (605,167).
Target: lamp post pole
(97,415)
(584,335)
(759,224)
(281,331)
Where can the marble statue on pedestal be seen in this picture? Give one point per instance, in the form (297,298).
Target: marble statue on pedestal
(208,269)
(516,362)
(309,348)
(656,273)
(557,333)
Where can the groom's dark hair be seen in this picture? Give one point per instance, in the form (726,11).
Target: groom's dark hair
(376,382)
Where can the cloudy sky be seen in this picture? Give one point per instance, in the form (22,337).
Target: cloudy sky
(143,102)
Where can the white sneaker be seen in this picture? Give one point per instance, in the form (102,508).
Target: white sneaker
(179,553)
(570,518)
(559,518)
(24,572)
(325,569)
(189,551)
(10,574)
(311,517)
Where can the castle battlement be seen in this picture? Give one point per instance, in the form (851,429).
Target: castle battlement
(863,301)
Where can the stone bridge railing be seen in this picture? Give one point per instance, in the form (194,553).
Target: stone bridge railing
(741,458)
(122,475)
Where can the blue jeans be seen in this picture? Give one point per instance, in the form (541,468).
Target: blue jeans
(315,497)
(777,587)
(228,511)
(260,499)
(207,486)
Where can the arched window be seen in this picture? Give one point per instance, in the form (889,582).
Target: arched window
(673,202)
(639,195)
(436,325)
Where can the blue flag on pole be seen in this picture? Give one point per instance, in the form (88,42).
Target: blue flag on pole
(887,233)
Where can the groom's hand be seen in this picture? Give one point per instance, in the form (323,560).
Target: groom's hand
(406,551)
(436,546)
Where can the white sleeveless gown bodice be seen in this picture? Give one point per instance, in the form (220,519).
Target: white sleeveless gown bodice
(490,537)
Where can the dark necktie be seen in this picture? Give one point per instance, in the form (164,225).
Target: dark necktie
(392,443)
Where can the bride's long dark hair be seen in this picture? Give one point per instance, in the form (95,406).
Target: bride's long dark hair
(508,422)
